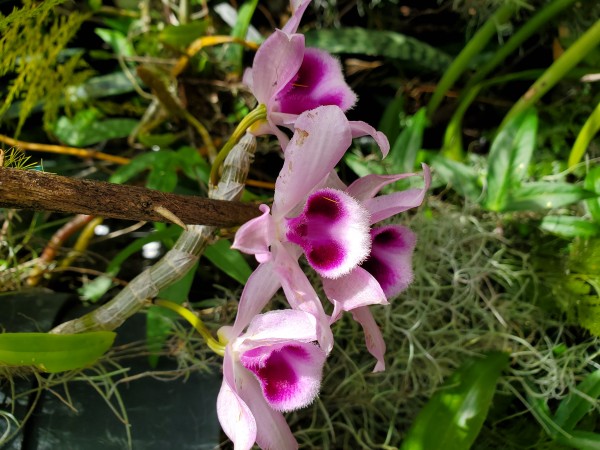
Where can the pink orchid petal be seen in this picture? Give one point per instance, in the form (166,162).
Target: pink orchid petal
(390,261)
(276,62)
(360,128)
(322,137)
(255,236)
(373,337)
(333,181)
(289,373)
(298,8)
(279,326)
(319,82)
(333,231)
(235,416)
(357,289)
(385,206)
(300,293)
(272,431)
(368,186)
(259,289)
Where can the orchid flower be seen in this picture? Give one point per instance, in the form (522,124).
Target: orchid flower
(315,214)
(273,367)
(289,79)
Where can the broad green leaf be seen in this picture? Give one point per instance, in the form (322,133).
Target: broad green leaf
(117,40)
(87,128)
(454,415)
(509,158)
(228,260)
(193,164)
(163,173)
(569,226)
(362,166)
(159,320)
(592,183)
(542,195)
(388,44)
(577,404)
(136,165)
(181,36)
(403,153)
(54,352)
(462,178)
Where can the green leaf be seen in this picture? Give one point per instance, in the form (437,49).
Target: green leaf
(592,183)
(228,260)
(193,164)
(542,195)
(117,40)
(234,52)
(403,153)
(54,352)
(388,44)
(181,36)
(577,404)
(509,158)
(163,173)
(569,226)
(584,440)
(454,415)
(462,178)
(86,128)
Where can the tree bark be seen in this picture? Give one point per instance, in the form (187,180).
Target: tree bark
(30,189)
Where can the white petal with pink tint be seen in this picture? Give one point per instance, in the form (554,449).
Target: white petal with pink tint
(333,231)
(322,137)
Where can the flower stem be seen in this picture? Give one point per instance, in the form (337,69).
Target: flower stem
(195,321)
(259,113)
(574,54)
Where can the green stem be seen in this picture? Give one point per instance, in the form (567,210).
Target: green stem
(574,54)
(588,131)
(530,27)
(195,321)
(259,113)
(453,137)
(473,47)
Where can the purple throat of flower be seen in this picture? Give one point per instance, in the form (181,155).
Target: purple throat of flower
(333,232)
(390,260)
(289,374)
(319,82)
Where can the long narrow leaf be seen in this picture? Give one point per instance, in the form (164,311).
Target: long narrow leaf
(54,352)
(577,404)
(228,260)
(403,153)
(542,195)
(453,417)
(592,183)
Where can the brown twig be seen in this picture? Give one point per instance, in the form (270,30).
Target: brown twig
(29,189)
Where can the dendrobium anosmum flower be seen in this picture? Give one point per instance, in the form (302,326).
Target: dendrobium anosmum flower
(289,79)
(273,367)
(315,214)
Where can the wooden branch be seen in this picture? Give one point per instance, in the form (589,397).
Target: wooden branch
(30,189)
